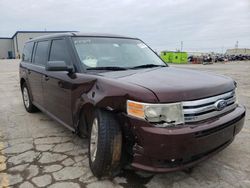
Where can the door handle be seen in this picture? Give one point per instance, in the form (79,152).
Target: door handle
(45,77)
(60,84)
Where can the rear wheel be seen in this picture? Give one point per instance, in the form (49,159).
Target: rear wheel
(26,99)
(105,144)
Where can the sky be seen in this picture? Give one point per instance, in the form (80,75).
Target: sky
(205,25)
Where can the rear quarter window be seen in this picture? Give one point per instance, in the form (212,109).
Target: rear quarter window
(27,52)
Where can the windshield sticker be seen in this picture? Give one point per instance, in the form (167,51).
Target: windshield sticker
(116,45)
(85,41)
(90,62)
(141,45)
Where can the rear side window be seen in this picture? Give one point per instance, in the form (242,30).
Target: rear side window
(40,57)
(59,51)
(27,51)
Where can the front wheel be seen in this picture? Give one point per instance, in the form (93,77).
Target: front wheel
(105,144)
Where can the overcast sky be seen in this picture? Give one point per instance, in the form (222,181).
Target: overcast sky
(206,25)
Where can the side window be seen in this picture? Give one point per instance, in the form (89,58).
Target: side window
(40,57)
(27,52)
(59,51)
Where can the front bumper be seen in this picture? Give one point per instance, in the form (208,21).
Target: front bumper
(172,149)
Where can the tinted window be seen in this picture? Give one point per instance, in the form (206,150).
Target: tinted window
(27,51)
(41,53)
(59,51)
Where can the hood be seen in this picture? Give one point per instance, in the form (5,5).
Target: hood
(175,84)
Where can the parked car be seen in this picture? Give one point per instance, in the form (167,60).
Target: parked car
(133,107)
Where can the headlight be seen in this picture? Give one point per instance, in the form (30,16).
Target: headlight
(170,114)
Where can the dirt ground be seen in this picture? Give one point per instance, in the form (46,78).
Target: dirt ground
(35,151)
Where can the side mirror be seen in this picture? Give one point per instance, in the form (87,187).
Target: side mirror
(58,66)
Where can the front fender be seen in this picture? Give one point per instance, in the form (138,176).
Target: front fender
(109,94)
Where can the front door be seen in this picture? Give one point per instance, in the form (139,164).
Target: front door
(57,85)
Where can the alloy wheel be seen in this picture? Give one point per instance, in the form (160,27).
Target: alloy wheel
(94,140)
(26,97)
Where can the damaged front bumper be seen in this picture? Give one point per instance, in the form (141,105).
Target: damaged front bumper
(172,149)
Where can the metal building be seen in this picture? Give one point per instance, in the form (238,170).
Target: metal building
(12,47)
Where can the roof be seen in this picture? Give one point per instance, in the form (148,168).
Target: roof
(79,34)
(100,35)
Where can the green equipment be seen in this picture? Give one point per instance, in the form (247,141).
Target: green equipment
(174,57)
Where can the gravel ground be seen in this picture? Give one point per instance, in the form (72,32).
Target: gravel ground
(35,151)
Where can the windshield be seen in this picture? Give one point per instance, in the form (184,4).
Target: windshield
(114,52)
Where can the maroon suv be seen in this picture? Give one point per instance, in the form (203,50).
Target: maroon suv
(133,107)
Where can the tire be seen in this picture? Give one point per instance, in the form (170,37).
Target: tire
(26,99)
(105,149)
(83,128)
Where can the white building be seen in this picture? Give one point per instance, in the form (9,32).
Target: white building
(198,54)
(12,47)
(238,51)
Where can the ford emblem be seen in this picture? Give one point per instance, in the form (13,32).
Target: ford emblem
(220,104)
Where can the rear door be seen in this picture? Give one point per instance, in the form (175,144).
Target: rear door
(57,85)
(35,71)
(26,61)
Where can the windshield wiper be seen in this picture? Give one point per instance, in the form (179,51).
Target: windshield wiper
(147,66)
(124,68)
(107,68)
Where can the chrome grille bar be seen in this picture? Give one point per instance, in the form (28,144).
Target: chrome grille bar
(209,100)
(203,109)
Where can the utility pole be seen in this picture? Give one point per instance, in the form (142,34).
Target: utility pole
(236,46)
(181,46)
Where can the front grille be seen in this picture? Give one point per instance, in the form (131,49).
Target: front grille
(203,109)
